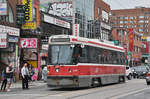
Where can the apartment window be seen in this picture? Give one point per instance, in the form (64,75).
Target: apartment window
(121,25)
(146,21)
(131,17)
(141,16)
(121,22)
(146,17)
(125,17)
(141,26)
(141,30)
(126,22)
(141,21)
(120,17)
(131,21)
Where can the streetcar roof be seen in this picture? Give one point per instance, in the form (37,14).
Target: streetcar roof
(85,41)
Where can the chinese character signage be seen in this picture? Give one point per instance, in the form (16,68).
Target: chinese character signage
(76,30)
(130,40)
(3,40)
(28,42)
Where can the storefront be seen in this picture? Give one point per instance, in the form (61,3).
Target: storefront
(9,37)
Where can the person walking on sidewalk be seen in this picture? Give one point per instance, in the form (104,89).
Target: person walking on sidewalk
(4,83)
(9,75)
(25,75)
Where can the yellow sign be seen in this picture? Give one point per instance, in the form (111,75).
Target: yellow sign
(33,63)
(28,10)
(144,37)
(29,25)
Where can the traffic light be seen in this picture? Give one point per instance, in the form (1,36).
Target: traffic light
(20,18)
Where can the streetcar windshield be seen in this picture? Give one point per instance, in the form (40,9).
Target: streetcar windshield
(61,54)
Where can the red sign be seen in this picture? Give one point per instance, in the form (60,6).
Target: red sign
(28,42)
(130,39)
(76,30)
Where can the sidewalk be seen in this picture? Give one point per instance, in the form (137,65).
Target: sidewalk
(31,84)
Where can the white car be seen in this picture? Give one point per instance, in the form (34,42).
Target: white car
(129,72)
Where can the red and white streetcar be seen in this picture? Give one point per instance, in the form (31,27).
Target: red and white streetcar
(82,62)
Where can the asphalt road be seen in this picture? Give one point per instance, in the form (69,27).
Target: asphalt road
(132,89)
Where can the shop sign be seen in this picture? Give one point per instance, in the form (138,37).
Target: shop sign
(45,47)
(28,42)
(55,21)
(3,40)
(76,30)
(29,25)
(28,10)
(3,8)
(13,39)
(10,30)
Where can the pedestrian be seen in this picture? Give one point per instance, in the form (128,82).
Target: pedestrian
(44,74)
(4,83)
(9,76)
(25,75)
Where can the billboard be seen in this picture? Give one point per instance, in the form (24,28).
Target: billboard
(28,10)
(28,42)
(63,9)
(3,8)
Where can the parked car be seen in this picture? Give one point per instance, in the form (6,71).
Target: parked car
(129,72)
(140,71)
(148,78)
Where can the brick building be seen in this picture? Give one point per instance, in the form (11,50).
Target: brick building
(138,19)
(101,13)
(122,35)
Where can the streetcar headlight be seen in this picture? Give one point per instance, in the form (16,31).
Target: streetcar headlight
(57,70)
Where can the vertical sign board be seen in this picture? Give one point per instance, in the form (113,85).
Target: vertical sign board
(3,40)
(3,8)
(131,39)
(28,10)
(28,42)
(76,30)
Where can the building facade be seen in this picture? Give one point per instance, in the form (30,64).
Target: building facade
(101,16)
(9,35)
(137,18)
(134,57)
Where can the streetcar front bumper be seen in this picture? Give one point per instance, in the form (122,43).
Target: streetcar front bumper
(62,81)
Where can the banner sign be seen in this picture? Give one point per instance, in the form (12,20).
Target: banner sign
(29,25)
(28,42)
(131,39)
(76,30)
(3,8)
(3,40)
(55,21)
(28,10)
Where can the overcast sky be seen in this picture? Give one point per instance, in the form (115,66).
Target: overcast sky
(125,4)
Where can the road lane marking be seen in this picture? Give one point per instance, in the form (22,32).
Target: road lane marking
(127,94)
